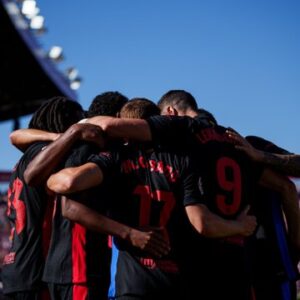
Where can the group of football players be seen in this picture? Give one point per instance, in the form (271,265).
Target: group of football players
(136,200)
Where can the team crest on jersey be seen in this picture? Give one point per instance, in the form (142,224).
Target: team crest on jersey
(9,258)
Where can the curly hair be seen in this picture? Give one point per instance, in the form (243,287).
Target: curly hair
(56,115)
(107,104)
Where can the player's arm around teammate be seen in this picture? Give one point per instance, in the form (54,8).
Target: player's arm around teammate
(23,138)
(289,164)
(211,225)
(47,161)
(43,165)
(152,241)
(133,129)
(80,178)
(139,129)
(71,180)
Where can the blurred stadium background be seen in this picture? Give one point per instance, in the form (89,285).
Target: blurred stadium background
(29,75)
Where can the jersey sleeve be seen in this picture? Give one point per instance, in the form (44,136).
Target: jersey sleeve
(35,149)
(171,130)
(192,187)
(108,162)
(80,155)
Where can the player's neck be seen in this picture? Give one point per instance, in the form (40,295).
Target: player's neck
(191,113)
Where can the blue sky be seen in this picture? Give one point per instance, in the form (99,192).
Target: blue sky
(240,59)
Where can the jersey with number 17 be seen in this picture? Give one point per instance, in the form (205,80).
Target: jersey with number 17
(153,187)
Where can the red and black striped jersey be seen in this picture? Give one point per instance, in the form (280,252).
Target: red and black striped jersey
(77,255)
(30,224)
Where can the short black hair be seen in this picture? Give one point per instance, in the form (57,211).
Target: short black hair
(139,108)
(107,104)
(182,99)
(56,115)
(205,114)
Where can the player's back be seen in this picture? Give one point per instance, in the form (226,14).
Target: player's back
(227,175)
(227,179)
(26,210)
(155,181)
(154,185)
(76,254)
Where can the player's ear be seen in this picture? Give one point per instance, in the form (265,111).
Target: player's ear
(171,111)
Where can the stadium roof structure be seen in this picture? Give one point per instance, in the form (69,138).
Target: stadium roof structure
(28,76)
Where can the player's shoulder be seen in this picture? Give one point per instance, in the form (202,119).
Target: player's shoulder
(172,121)
(29,154)
(210,135)
(106,158)
(80,154)
(34,148)
(265,145)
(258,142)
(83,147)
(27,157)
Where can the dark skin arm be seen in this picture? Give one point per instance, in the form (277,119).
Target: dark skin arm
(284,164)
(80,178)
(152,241)
(288,164)
(47,160)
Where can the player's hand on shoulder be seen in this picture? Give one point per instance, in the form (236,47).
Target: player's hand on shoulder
(89,133)
(153,241)
(247,222)
(242,144)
